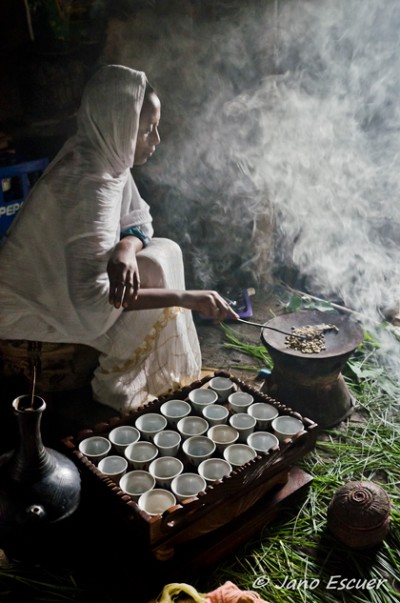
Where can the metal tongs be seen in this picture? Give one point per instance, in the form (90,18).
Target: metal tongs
(256,324)
(233,303)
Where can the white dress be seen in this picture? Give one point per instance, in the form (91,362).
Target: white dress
(53,280)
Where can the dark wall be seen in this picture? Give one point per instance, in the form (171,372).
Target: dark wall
(43,70)
(13,35)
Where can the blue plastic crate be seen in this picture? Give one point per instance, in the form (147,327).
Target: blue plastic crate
(16,180)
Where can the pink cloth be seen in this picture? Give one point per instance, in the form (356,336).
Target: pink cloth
(230,593)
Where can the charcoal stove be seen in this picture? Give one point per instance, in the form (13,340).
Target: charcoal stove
(312,384)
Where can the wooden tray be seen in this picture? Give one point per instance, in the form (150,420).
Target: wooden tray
(219,505)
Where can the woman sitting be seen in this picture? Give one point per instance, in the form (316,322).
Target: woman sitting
(79,263)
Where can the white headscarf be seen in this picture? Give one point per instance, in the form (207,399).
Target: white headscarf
(54,284)
(108,117)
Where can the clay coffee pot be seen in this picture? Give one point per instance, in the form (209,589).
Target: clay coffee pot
(40,488)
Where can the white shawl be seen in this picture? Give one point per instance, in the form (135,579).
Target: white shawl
(53,280)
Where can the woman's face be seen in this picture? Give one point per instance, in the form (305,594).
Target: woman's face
(148,137)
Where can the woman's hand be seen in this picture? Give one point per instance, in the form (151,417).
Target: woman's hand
(123,273)
(208,303)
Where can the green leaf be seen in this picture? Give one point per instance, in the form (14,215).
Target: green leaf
(303,302)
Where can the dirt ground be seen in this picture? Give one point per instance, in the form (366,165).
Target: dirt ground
(216,355)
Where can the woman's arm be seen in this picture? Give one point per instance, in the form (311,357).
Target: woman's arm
(208,303)
(123,273)
(136,231)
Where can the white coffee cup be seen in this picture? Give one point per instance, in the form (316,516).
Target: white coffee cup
(214,469)
(164,469)
(188,485)
(240,401)
(136,482)
(239,454)
(223,386)
(168,442)
(244,423)
(286,426)
(156,501)
(198,448)
(262,441)
(199,398)
(223,436)
(173,410)
(263,413)
(140,454)
(114,466)
(95,448)
(123,435)
(149,424)
(215,414)
(189,426)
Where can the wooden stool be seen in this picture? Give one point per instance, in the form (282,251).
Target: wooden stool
(60,366)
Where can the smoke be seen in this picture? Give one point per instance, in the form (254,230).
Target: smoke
(332,161)
(202,194)
(333,153)
(281,143)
